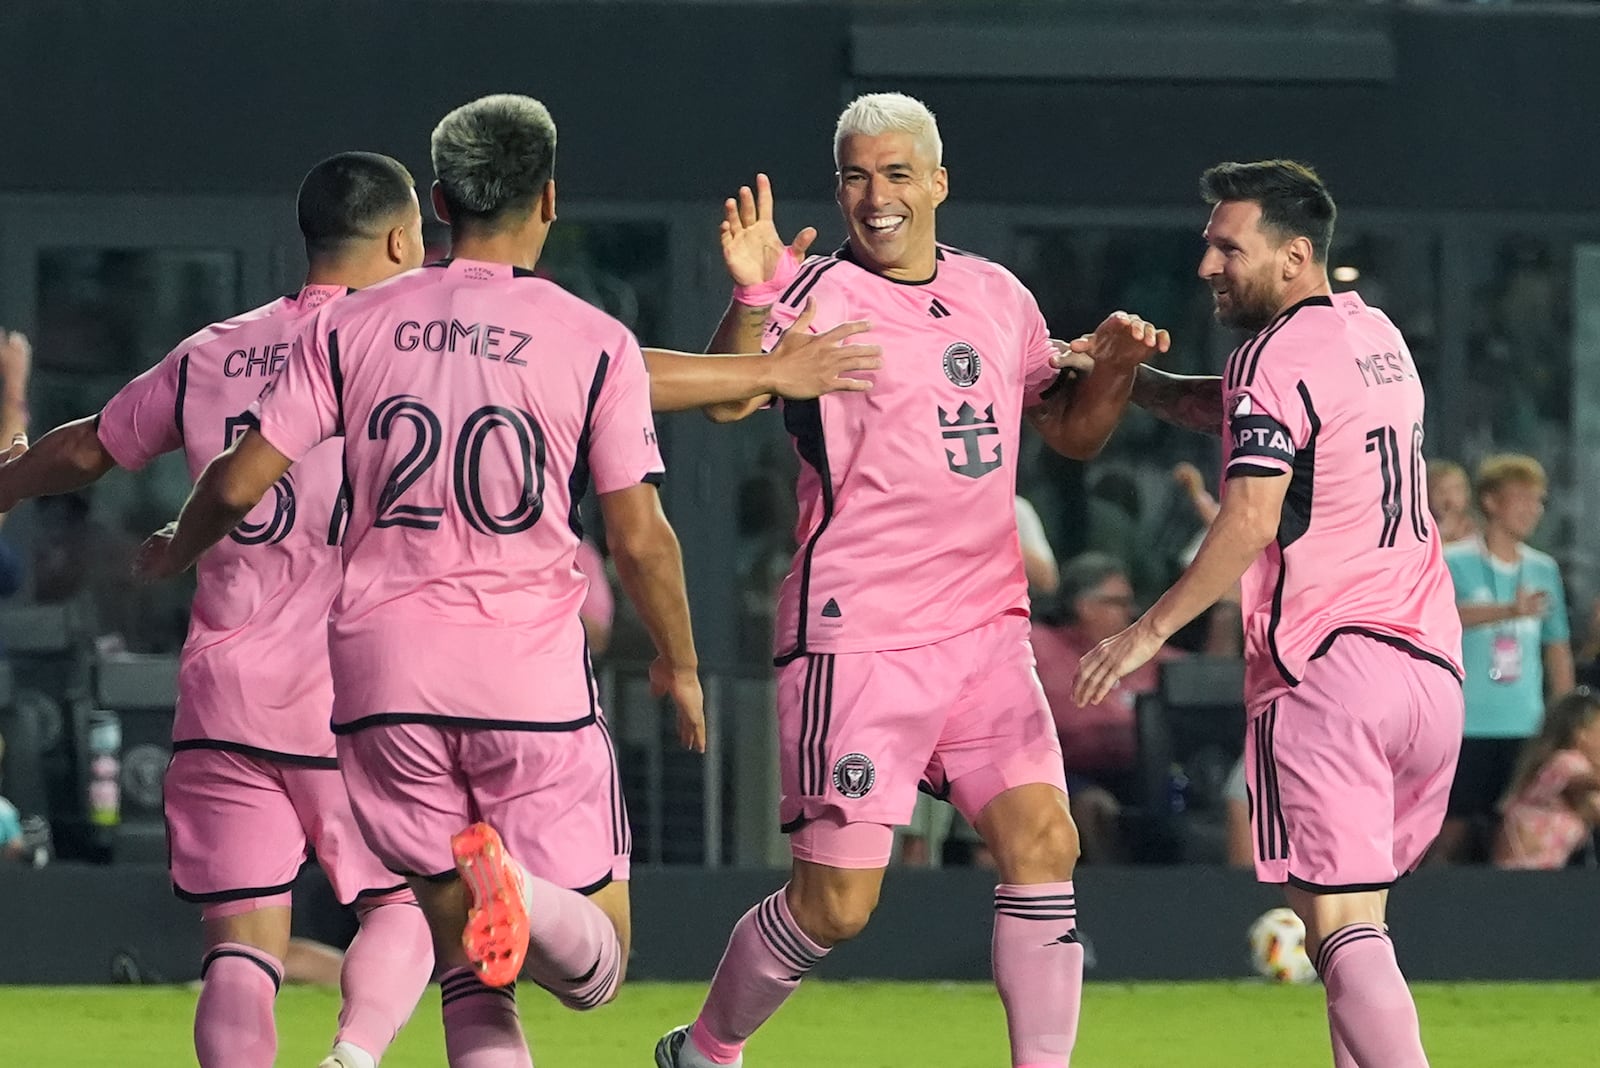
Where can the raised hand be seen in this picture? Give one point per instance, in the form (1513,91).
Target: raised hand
(751,247)
(806,365)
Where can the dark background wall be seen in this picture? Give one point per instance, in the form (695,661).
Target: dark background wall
(1116,105)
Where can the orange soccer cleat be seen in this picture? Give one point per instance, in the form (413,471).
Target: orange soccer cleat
(496,936)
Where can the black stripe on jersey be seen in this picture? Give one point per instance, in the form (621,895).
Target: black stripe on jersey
(1283,317)
(1230,369)
(808,712)
(816,276)
(1391,640)
(578,481)
(1293,522)
(183,391)
(1277,830)
(804,277)
(336,374)
(803,421)
(274,755)
(937,310)
(940,249)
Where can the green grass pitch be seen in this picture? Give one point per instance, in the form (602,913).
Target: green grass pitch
(858,1025)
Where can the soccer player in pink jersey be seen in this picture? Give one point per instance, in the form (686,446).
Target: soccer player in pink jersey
(253,778)
(1352,641)
(902,642)
(478,402)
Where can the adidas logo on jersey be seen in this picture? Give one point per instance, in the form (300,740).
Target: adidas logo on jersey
(831,610)
(937,310)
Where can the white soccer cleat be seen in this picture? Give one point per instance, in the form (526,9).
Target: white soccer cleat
(676,1051)
(345,1055)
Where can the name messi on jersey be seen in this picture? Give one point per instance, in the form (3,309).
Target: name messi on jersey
(452,335)
(1383,368)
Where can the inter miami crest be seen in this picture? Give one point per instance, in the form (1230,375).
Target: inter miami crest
(853,775)
(962,364)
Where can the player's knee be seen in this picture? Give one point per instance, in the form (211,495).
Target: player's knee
(833,914)
(1040,847)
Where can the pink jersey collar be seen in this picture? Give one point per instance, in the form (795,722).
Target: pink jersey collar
(482,270)
(317,295)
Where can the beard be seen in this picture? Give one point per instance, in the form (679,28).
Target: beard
(1249,310)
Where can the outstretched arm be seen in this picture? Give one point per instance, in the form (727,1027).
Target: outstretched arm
(68,458)
(229,487)
(1077,418)
(1193,402)
(801,366)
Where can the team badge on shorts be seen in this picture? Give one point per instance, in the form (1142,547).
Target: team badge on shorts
(853,775)
(962,364)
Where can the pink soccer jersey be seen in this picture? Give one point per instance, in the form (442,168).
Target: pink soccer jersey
(908,528)
(476,402)
(254,672)
(1329,394)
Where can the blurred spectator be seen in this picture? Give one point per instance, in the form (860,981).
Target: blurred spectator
(1224,621)
(1038,559)
(1553,804)
(1099,743)
(23,839)
(1450,501)
(599,606)
(1515,646)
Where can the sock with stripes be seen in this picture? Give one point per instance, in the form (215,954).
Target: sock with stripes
(573,950)
(233,1024)
(766,958)
(1370,1011)
(481,1027)
(1038,969)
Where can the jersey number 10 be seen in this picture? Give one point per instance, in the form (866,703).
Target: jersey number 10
(1398,498)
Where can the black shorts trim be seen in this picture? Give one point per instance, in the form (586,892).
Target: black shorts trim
(436,877)
(793,825)
(1394,643)
(277,757)
(430,719)
(381,891)
(1344,888)
(218,896)
(594,887)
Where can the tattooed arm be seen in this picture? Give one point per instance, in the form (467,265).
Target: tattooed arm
(1193,402)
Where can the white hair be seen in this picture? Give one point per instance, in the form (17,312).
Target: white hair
(881,113)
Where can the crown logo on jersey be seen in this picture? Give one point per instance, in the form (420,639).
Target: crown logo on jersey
(966,415)
(962,364)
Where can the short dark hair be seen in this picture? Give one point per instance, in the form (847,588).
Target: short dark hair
(493,157)
(1293,200)
(347,197)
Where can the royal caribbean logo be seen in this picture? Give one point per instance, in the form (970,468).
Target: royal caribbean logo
(970,427)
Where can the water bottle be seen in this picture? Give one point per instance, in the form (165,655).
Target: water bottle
(105,769)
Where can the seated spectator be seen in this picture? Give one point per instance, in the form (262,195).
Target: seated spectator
(1450,501)
(1514,647)
(1553,805)
(1099,743)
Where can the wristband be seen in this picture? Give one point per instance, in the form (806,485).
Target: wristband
(765,294)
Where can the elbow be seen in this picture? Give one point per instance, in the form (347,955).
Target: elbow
(725,413)
(643,547)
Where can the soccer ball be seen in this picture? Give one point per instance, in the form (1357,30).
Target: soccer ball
(1278,948)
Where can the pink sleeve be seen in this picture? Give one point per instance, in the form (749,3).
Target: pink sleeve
(1038,374)
(599,605)
(299,408)
(810,284)
(1268,421)
(143,420)
(622,443)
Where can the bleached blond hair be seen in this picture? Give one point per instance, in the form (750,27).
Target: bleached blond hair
(881,113)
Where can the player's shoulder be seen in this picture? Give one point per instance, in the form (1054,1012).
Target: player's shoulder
(1459,552)
(228,331)
(1540,560)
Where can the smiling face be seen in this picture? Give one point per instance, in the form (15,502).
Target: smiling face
(889,188)
(1244,265)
